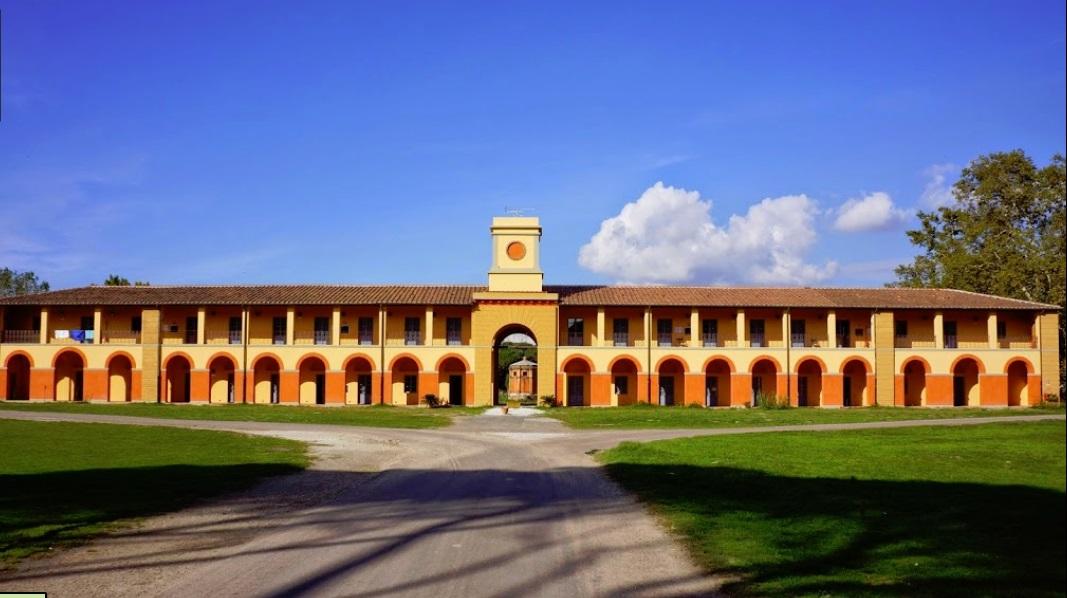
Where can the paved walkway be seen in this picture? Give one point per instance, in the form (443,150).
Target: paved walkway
(492,506)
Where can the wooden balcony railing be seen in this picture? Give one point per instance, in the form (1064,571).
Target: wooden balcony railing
(22,336)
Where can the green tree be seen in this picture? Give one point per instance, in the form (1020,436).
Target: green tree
(114,280)
(1004,235)
(13,282)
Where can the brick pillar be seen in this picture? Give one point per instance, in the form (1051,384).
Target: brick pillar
(884,359)
(386,397)
(1048,327)
(150,355)
(3,377)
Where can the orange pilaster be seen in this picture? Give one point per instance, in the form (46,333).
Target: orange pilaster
(135,382)
(238,387)
(561,383)
(694,389)
(899,400)
(869,399)
(384,389)
(653,389)
(427,386)
(740,389)
(3,383)
(375,388)
(335,387)
(41,384)
(993,390)
(94,384)
(939,390)
(249,387)
(600,389)
(468,389)
(199,386)
(642,388)
(289,386)
(833,390)
(784,388)
(1033,389)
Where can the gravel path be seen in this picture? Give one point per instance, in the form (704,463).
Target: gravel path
(492,506)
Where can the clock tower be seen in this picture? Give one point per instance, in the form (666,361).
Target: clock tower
(516,264)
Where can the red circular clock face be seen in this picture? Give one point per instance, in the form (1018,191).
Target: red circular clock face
(516,250)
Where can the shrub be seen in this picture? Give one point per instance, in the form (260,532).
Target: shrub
(772,401)
(528,400)
(548,400)
(433,401)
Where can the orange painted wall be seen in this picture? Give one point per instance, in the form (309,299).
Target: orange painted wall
(1033,389)
(335,387)
(993,390)
(938,390)
(833,390)
(199,386)
(94,384)
(289,386)
(642,388)
(740,389)
(600,389)
(695,385)
(427,384)
(41,381)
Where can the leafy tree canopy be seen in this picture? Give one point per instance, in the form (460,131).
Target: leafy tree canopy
(1003,235)
(114,280)
(13,282)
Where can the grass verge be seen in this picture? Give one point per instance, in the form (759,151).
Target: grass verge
(648,416)
(974,510)
(378,416)
(63,483)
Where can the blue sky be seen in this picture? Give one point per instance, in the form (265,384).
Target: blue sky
(372,142)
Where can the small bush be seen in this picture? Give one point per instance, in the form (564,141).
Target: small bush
(528,400)
(548,400)
(434,401)
(772,401)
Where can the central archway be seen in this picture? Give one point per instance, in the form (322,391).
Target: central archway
(511,343)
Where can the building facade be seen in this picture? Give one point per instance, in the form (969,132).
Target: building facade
(596,345)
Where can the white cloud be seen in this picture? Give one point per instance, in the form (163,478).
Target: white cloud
(667,235)
(938,189)
(874,211)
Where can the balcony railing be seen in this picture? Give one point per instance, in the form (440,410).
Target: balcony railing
(798,339)
(575,341)
(757,340)
(315,337)
(119,336)
(412,338)
(711,340)
(222,336)
(621,339)
(22,336)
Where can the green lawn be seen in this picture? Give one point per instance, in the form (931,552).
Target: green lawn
(377,416)
(61,483)
(973,510)
(648,416)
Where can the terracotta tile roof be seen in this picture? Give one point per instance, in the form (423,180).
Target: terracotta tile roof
(570,295)
(295,294)
(883,298)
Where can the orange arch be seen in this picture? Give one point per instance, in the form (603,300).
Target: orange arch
(133,363)
(55,358)
(659,364)
(261,356)
(222,355)
(192,364)
(955,362)
(848,360)
(1025,361)
(637,365)
(759,358)
(22,353)
(349,359)
(409,356)
(728,361)
(306,356)
(926,364)
(803,360)
(466,366)
(588,362)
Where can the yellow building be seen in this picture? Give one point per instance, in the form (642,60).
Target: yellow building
(596,345)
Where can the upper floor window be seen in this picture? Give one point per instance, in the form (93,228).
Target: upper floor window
(621,332)
(842,333)
(799,333)
(234,330)
(710,333)
(951,339)
(575,332)
(663,332)
(366,331)
(454,331)
(900,328)
(322,330)
(1002,330)
(755,331)
(278,330)
(135,324)
(411,331)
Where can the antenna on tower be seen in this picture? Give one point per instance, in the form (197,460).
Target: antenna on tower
(513,211)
